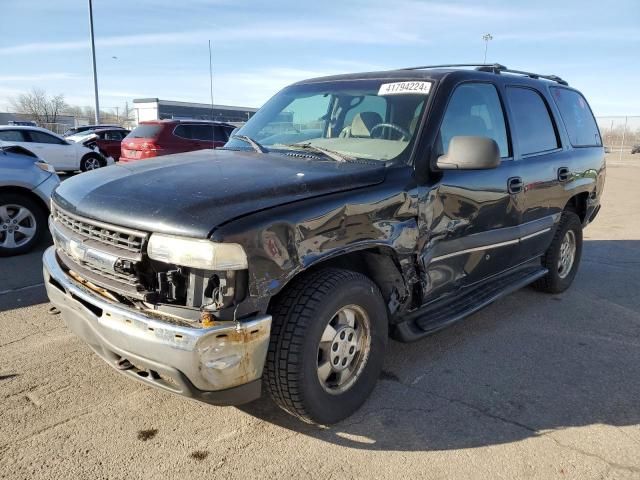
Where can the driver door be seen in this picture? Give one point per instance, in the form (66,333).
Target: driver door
(469,218)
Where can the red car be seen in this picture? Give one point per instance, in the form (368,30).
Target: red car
(164,137)
(108,141)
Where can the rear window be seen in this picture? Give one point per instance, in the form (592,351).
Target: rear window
(535,132)
(146,131)
(577,118)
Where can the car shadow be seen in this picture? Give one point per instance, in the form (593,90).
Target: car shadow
(528,364)
(21,282)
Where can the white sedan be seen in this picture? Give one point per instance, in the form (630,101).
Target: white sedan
(55,150)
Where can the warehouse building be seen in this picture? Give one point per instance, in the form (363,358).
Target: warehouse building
(156,109)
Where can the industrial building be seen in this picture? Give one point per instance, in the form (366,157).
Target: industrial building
(156,109)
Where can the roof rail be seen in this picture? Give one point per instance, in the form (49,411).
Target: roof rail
(494,68)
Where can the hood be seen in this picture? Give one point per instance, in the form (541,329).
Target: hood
(190,194)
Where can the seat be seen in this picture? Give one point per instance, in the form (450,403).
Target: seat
(363,123)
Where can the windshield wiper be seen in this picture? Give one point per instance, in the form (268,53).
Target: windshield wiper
(255,145)
(338,157)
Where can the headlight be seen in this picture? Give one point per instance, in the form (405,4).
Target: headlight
(195,253)
(45,166)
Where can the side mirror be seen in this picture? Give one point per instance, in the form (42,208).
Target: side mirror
(470,153)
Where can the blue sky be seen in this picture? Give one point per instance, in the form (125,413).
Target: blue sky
(161,45)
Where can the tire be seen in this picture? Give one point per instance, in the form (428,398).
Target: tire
(301,316)
(560,275)
(24,212)
(91,161)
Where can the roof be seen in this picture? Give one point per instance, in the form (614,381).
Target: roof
(438,72)
(173,103)
(26,127)
(187,120)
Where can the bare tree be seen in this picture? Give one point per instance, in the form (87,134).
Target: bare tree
(40,106)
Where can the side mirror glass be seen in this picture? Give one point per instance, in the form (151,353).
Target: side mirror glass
(470,153)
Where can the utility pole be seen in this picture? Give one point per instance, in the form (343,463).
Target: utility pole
(624,131)
(93,58)
(213,130)
(486,37)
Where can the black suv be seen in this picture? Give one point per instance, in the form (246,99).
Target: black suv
(348,209)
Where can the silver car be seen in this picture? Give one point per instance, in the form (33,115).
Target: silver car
(26,184)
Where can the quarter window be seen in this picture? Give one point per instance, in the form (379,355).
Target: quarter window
(532,122)
(475,110)
(577,118)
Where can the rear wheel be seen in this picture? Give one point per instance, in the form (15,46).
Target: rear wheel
(22,223)
(328,338)
(562,258)
(91,161)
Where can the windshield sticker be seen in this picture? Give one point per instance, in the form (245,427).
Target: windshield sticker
(403,88)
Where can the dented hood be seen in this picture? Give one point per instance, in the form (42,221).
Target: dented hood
(192,193)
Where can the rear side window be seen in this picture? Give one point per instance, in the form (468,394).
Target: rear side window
(146,131)
(183,131)
(577,118)
(475,110)
(11,136)
(533,125)
(222,133)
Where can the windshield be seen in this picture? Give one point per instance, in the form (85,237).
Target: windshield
(369,119)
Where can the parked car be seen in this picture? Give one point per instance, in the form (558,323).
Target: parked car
(164,137)
(26,183)
(348,208)
(84,128)
(635,149)
(62,155)
(106,141)
(24,123)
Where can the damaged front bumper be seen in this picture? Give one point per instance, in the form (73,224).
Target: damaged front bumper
(221,365)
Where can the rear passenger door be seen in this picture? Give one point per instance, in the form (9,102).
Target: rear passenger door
(471,218)
(538,151)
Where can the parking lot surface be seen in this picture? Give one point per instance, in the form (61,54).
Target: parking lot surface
(534,386)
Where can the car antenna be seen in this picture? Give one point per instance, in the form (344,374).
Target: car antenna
(213,129)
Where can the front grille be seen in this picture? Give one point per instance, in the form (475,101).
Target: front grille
(129,279)
(120,237)
(112,281)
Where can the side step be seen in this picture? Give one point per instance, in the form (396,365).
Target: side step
(442,313)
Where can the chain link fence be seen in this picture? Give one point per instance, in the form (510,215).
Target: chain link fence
(620,134)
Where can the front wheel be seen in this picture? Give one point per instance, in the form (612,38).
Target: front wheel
(328,338)
(91,161)
(22,224)
(562,258)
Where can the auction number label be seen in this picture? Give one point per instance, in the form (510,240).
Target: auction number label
(403,88)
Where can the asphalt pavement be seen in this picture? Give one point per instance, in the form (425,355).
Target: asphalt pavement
(534,386)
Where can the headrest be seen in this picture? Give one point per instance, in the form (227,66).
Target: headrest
(363,122)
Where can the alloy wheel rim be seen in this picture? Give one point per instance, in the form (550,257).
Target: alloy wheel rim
(567,254)
(344,348)
(17,226)
(92,163)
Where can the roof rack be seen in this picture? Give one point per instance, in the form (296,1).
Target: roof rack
(493,68)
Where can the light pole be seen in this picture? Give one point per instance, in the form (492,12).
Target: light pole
(93,62)
(486,37)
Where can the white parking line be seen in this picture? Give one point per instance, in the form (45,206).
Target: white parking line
(13,290)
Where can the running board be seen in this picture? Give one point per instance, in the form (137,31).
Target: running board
(441,314)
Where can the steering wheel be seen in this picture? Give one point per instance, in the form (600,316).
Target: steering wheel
(405,133)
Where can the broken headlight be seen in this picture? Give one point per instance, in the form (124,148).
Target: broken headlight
(191,252)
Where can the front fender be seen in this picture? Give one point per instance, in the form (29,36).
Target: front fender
(283,241)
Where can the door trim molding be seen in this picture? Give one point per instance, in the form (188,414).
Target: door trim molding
(519,233)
